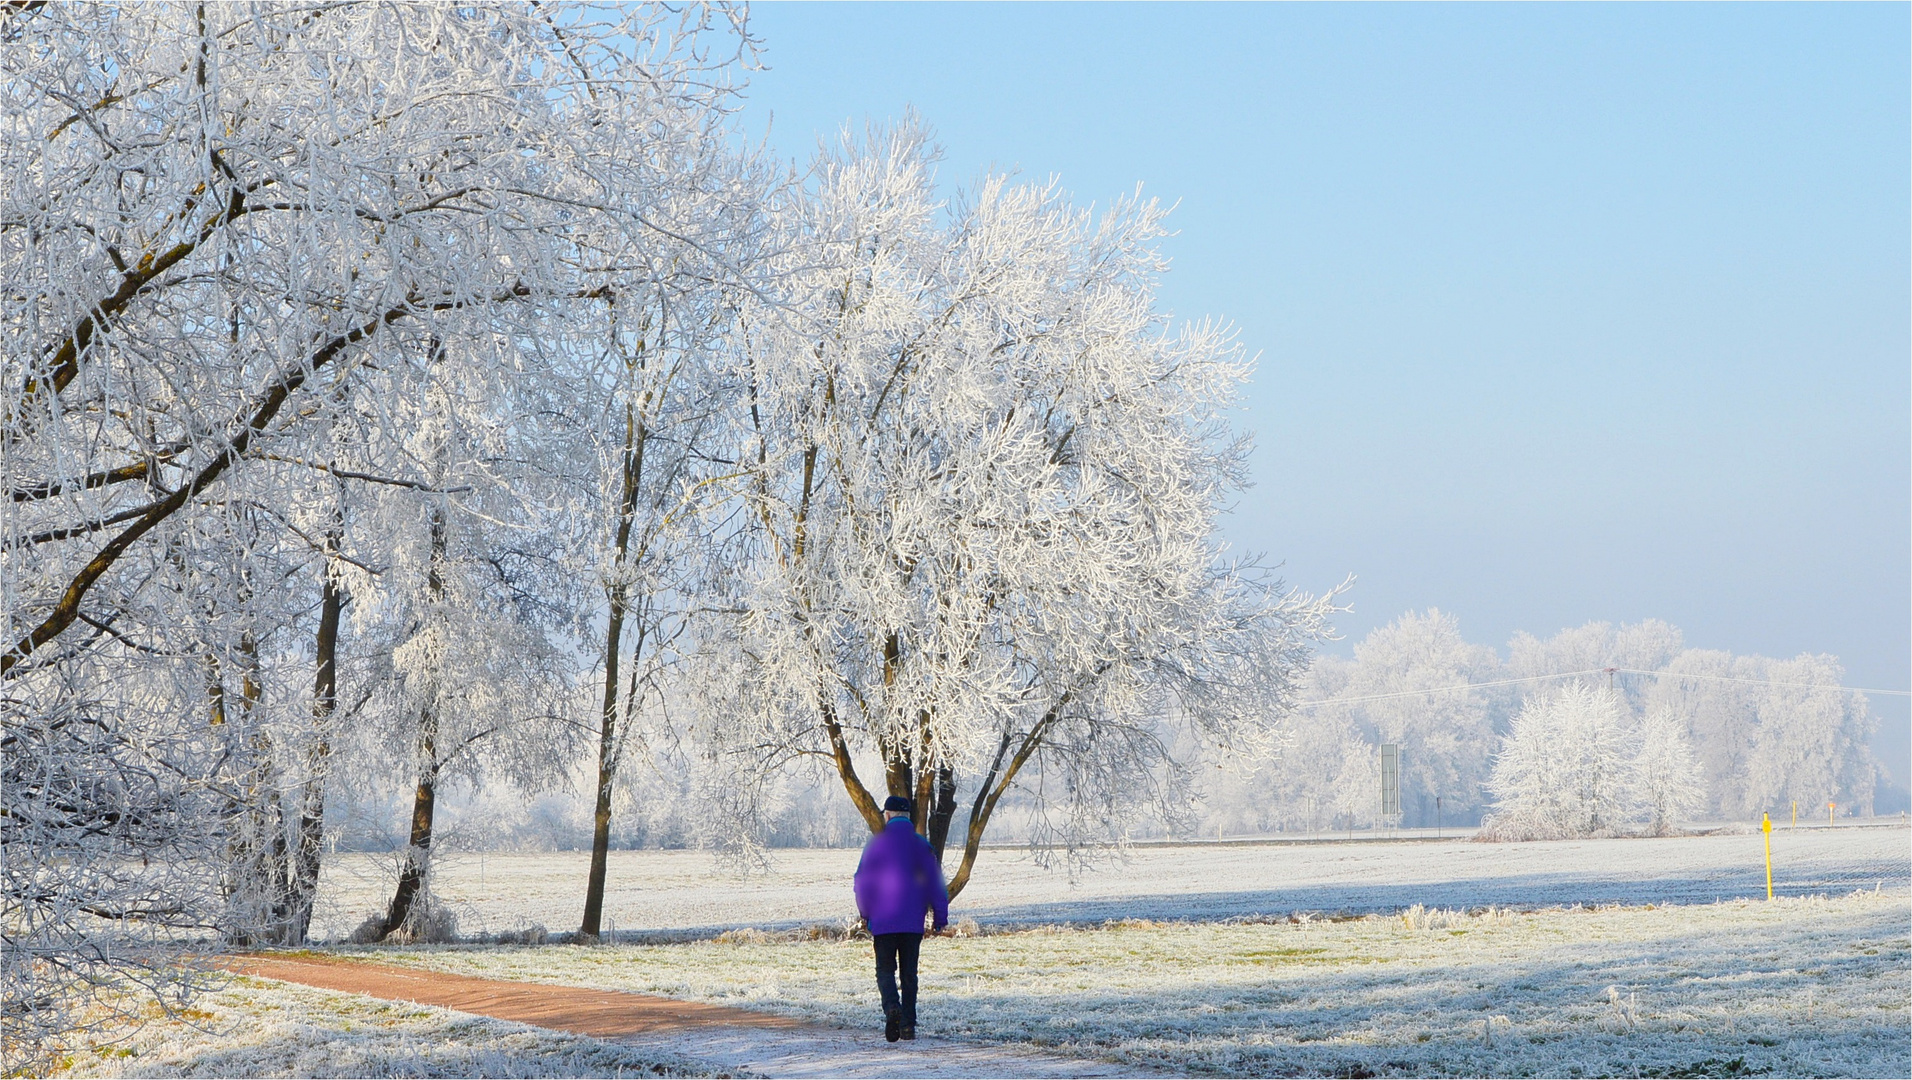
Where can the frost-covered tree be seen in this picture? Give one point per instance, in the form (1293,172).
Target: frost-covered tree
(1407,672)
(658,396)
(470,677)
(1648,645)
(983,475)
(1666,773)
(1716,691)
(1769,732)
(1298,784)
(1564,768)
(219,226)
(1786,719)
(1358,784)
(1810,745)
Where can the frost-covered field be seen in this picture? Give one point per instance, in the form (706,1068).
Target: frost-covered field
(687,890)
(1650,975)
(257,1027)
(1797,987)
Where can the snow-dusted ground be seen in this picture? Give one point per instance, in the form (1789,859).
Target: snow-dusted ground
(257,1027)
(860,1052)
(687,890)
(1673,984)
(261,1027)
(1802,986)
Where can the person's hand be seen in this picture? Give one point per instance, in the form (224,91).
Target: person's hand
(942,931)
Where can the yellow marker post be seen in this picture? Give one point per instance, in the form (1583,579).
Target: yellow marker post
(1829,807)
(1766,826)
(1795,823)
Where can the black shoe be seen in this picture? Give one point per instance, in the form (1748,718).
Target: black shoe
(892,1026)
(909,1031)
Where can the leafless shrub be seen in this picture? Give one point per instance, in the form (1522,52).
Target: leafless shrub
(535,934)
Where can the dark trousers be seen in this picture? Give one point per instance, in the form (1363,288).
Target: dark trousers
(896,952)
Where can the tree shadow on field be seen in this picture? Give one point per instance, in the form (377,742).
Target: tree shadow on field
(1798,1000)
(1512,891)
(1517,891)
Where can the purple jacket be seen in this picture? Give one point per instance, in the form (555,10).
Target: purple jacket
(898,880)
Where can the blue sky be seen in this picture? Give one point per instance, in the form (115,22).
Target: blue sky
(1565,312)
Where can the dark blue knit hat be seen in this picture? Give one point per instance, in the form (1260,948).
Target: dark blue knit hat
(896,804)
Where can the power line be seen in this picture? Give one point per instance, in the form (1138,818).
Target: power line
(1764,682)
(1447,689)
(1394,695)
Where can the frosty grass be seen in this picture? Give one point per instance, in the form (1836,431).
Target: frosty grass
(257,1027)
(1798,987)
(1811,984)
(649,891)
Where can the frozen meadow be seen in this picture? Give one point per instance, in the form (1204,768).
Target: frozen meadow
(1798,987)
(253,1027)
(688,891)
(1578,958)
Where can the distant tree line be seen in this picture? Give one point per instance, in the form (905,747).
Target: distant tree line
(1759,733)
(1678,737)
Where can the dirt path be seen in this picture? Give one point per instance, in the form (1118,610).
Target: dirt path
(725,1038)
(601,1014)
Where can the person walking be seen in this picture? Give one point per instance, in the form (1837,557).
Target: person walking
(898,881)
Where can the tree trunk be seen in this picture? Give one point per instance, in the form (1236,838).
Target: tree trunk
(898,776)
(994,785)
(636,435)
(411,880)
(979,813)
(900,779)
(254,822)
(270,861)
(607,771)
(325,691)
(922,804)
(860,796)
(942,809)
